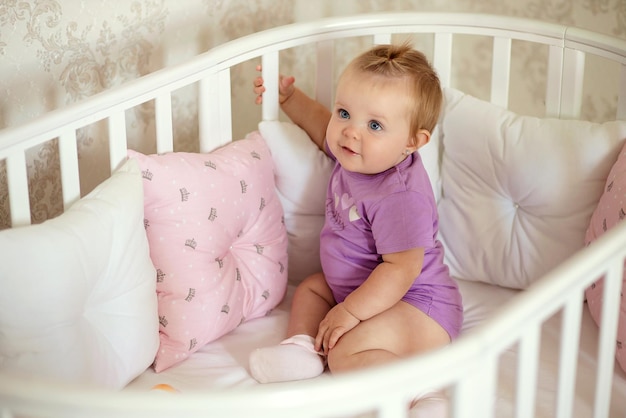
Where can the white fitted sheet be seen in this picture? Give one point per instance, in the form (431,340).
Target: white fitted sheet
(224,363)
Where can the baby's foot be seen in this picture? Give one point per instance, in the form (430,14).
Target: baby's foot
(293,359)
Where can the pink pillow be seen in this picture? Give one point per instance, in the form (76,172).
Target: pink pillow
(610,210)
(217,239)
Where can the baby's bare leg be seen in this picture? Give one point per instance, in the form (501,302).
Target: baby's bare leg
(398,332)
(311,302)
(295,358)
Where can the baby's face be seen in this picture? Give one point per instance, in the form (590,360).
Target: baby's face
(369,128)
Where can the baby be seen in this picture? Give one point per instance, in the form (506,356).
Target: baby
(384,292)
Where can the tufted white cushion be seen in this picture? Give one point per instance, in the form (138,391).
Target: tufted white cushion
(78,292)
(518,191)
(217,239)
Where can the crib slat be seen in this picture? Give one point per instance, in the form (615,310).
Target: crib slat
(17,179)
(572,89)
(621,97)
(208,116)
(608,333)
(324,75)
(568,356)
(442,60)
(163,121)
(225,133)
(501,70)
(393,407)
(477,389)
(214,111)
(527,372)
(554,81)
(117,139)
(68,158)
(270,105)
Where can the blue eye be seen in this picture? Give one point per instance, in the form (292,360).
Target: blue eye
(375,126)
(343,114)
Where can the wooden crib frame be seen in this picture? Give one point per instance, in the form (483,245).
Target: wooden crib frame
(468,367)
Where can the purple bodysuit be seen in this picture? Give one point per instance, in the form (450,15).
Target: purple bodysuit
(393,211)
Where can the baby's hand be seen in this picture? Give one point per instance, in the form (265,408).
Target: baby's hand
(285,87)
(337,322)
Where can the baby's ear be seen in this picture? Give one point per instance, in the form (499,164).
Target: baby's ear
(421,138)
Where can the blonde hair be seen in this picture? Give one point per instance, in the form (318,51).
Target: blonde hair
(403,61)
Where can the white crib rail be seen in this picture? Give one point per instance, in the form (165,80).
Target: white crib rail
(469,366)
(568,47)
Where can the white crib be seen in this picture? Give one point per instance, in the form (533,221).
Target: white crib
(470,368)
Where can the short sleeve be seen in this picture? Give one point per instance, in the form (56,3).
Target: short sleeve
(402,221)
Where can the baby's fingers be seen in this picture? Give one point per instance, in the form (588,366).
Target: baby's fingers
(334,336)
(258,83)
(319,339)
(258,89)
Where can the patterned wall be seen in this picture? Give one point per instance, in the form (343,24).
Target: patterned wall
(55,52)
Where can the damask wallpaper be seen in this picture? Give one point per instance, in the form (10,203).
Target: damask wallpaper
(55,52)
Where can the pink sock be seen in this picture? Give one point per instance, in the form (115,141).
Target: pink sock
(293,359)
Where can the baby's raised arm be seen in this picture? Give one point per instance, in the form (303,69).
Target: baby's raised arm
(305,112)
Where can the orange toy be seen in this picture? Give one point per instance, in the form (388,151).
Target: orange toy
(165,387)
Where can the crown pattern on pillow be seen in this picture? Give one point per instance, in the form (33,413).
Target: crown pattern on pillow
(217,239)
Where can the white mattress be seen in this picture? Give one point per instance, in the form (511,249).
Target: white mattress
(224,363)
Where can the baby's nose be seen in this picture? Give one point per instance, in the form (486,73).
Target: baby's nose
(351,131)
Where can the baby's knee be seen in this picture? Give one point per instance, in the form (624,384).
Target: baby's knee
(336,361)
(341,358)
(352,355)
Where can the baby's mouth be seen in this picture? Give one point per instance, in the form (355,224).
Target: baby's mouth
(348,150)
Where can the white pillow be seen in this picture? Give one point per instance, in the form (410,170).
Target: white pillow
(302,169)
(518,191)
(302,174)
(78,301)
(431,158)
